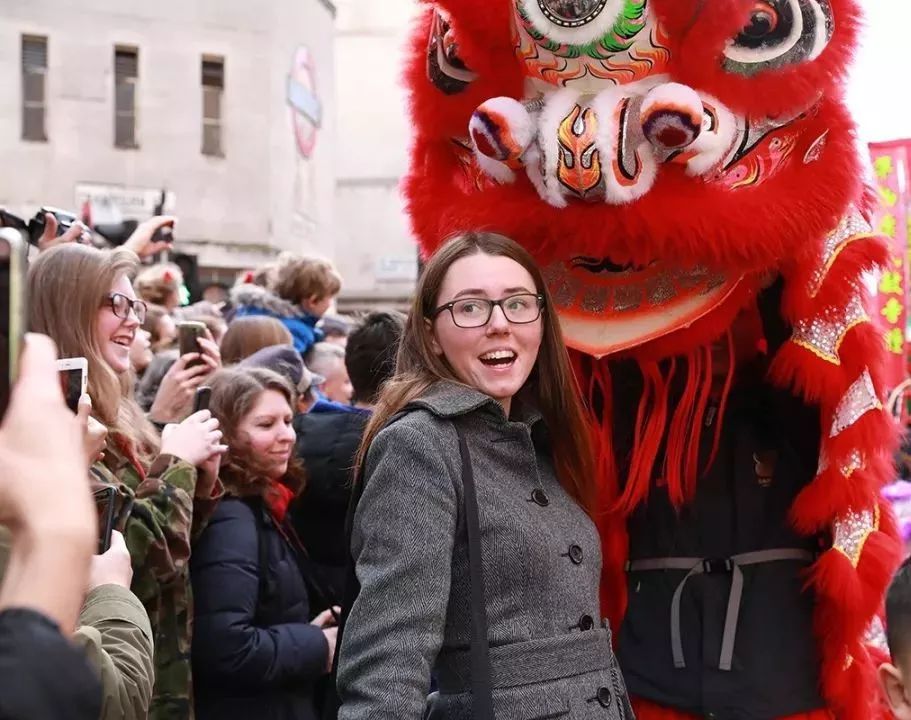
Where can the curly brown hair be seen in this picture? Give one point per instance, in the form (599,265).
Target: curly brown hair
(298,278)
(234,393)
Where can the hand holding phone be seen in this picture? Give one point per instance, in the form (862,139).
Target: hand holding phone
(189,333)
(201,401)
(13,253)
(114,566)
(74,379)
(105,504)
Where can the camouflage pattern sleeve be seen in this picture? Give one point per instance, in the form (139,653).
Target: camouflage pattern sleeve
(158,537)
(203,509)
(157,531)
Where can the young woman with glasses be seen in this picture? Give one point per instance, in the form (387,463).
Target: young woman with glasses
(482,356)
(83,299)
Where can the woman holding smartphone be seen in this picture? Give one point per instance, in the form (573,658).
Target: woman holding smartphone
(168,484)
(255,652)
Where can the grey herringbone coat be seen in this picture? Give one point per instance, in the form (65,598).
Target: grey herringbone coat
(550,655)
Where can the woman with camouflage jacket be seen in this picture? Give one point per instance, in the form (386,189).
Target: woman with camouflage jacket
(167,485)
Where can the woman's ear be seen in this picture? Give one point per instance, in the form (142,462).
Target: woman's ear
(434,345)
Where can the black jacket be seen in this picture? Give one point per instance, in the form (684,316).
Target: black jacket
(42,675)
(254,653)
(327,442)
(768,453)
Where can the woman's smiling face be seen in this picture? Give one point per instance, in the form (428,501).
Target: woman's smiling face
(496,358)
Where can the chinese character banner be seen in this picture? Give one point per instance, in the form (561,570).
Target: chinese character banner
(890,219)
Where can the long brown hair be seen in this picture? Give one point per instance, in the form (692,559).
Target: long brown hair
(246,335)
(551,385)
(235,391)
(67,286)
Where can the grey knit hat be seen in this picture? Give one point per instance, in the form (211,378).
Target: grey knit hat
(287,362)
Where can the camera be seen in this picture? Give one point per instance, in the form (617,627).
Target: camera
(36,225)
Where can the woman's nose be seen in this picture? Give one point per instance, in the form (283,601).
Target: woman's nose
(498,322)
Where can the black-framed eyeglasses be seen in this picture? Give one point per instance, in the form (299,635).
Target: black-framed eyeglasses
(121,305)
(518,309)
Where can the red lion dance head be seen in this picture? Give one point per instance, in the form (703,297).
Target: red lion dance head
(664,160)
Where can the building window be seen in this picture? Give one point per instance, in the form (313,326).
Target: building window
(126,79)
(34,88)
(213,88)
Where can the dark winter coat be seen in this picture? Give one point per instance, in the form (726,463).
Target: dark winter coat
(327,442)
(253,300)
(42,673)
(254,653)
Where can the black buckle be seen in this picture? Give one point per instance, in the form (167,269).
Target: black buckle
(711,566)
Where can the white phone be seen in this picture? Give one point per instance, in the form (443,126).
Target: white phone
(74,379)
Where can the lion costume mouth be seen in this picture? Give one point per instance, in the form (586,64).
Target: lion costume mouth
(606,307)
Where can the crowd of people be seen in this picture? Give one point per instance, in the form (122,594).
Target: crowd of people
(308,545)
(219,595)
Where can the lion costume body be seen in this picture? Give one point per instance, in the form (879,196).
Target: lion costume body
(673,164)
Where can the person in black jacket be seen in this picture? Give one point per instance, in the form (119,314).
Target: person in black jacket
(255,652)
(327,441)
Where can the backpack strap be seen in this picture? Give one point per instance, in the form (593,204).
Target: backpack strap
(481,682)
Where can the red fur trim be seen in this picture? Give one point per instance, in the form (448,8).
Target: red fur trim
(484,42)
(858,257)
(864,348)
(814,379)
(832,494)
(847,599)
(767,223)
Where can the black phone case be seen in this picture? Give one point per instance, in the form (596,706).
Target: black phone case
(107,496)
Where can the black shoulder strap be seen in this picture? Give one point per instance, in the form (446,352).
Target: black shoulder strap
(481,683)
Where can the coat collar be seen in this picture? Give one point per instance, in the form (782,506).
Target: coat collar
(448,399)
(260,298)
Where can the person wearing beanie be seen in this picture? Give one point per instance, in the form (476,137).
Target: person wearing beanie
(287,362)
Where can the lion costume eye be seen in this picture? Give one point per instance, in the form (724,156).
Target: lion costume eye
(780,33)
(576,23)
(571,13)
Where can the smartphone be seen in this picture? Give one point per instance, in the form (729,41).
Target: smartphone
(164,234)
(189,333)
(13,254)
(74,379)
(105,503)
(201,401)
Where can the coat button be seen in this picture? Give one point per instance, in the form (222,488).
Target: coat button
(604,697)
(586,623)
(540,497)
(576,554)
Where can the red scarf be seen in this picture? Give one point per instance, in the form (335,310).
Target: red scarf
(277,498)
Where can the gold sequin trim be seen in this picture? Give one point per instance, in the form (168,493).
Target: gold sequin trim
(859,399)
(852,227)
(851,532)
(824,334)
(875,636)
